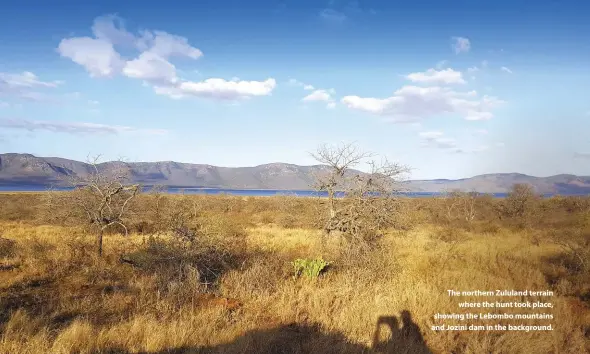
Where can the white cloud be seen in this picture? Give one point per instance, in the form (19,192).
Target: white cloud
(152,65)
(308,87)
(218,89)
(461,45)
(4,104)
(317,95)
(25,79)
(481,132)
(500,145)
(412,103)
(472,69)
(93,102)
(111,29)
(152,68)
(72,127)
(484,64)
(505,69)
(23,85)
(321,96)
(432,76)
(97,56)
(167,45)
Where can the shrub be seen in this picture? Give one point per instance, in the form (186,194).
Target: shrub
(520,201)
(310,268)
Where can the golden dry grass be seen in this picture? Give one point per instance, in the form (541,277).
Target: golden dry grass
(58,297)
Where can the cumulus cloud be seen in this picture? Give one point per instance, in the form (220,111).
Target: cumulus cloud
(72,127)
(317,95)
(505,69)
(461,44)
(152,68)
(432,76)
(99,55)
(321,96)
(413,103)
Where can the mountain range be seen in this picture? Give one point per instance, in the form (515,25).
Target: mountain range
(29,170)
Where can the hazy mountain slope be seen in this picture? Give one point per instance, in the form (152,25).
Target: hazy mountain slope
(32,170)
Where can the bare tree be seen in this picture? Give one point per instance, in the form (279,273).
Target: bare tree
(101,197)
(369,203)
(339,160)
(461,204)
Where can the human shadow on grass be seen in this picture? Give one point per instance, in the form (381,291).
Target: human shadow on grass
(297,338)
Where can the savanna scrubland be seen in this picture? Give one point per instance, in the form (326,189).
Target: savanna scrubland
(216,274)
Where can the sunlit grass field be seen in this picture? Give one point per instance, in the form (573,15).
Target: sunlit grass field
(233,290)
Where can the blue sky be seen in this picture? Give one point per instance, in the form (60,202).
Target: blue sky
(450,88)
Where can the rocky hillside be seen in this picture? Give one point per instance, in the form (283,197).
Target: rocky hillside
(26,169)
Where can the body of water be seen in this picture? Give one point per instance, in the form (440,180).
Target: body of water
(218,191)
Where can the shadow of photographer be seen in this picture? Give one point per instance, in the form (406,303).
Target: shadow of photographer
(405,337)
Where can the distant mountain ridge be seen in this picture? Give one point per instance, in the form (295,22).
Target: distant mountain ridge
(27,169)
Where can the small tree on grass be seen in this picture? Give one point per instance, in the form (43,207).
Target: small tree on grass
(100,198)
(461,204)
(338,160)
(520,200)
(369,204)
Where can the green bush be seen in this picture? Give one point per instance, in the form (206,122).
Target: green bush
(310,268)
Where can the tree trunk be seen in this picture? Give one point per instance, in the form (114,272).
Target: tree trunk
(331,203)
(99,242)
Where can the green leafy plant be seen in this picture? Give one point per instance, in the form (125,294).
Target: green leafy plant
(310,268)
